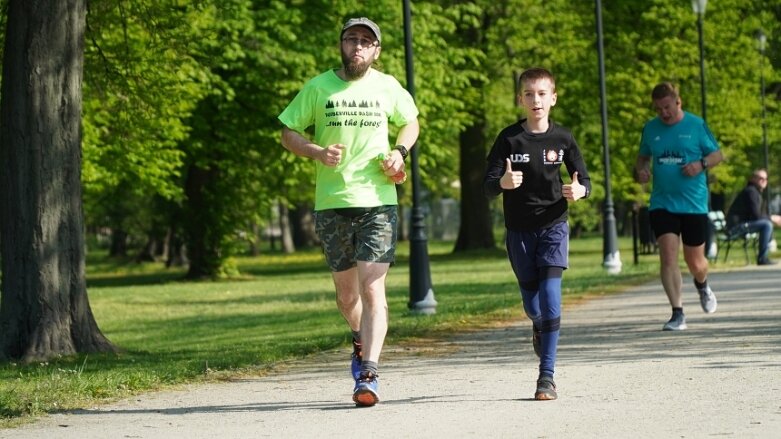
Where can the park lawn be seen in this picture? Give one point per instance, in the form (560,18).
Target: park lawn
(174,332)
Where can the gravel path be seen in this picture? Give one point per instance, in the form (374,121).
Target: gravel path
(618,375)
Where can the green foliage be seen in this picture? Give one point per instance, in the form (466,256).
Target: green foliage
(171,87)
(139,87)
(649,42)
(141,83)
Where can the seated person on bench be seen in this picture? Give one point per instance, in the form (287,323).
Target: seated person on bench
(746,213)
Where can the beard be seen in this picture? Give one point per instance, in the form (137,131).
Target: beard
(354,69)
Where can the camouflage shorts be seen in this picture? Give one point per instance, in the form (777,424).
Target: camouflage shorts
(360,234)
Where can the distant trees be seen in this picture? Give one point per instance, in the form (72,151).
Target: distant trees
(218,74)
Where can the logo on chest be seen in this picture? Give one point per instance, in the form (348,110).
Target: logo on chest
(520,158)
(673,158)
(552,156)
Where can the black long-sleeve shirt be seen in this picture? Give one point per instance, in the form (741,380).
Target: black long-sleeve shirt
(746,207)
(537,202)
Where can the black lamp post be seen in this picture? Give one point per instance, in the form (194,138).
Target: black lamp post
(421,294)
(612,258)
(762,38)
(699,9)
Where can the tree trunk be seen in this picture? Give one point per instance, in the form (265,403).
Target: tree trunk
(476,230)
(118,248)
(302,223)
(45,312)
(176,253)
(403,225)
(286,236)
(149,251)
(254,240)
(201,234)
(165,247)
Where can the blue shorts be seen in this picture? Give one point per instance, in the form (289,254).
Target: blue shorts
(530,251)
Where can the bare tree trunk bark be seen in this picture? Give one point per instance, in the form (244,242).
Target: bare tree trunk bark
(44,311)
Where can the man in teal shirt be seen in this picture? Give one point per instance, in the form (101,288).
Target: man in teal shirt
(355,195)
(682,148)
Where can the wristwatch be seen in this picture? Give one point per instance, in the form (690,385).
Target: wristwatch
(403,150)
(704,163)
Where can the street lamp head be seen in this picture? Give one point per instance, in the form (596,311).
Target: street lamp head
(762,38)
(699,6)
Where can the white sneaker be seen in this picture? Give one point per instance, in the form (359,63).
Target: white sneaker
(708,300)
(676,323)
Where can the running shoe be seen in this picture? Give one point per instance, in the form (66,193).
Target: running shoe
(355,366)
(676,323)
(707,300)
(537,341)
(365,392)
(546,389)
(355,362)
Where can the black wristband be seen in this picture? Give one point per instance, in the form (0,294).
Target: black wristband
(704,163)
(403,150)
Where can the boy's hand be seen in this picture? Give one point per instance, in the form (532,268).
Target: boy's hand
(511,179)
(574,191)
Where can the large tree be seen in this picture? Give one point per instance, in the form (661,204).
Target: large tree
(45,312)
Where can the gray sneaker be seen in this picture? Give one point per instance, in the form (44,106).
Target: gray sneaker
(708,300)
(676,323)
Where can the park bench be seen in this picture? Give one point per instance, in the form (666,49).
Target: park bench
(726,237)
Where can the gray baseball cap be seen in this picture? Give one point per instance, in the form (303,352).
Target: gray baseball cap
(365,22)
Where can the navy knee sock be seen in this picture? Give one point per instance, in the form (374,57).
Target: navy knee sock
(550,307)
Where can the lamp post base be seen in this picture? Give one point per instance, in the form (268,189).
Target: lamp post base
(427,306)
(612,263)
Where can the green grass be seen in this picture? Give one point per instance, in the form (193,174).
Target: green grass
(174,332)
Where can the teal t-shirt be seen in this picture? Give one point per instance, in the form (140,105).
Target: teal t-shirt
(355,114)
(670,148)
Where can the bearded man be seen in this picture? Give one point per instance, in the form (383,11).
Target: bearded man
(355,195)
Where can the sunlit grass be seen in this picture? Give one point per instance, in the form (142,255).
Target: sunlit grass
(282,307)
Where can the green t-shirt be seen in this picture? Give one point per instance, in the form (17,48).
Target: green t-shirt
(355,114)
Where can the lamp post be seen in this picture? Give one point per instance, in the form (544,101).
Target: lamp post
(762,38)
(612,258)
(421,294)
(699,9)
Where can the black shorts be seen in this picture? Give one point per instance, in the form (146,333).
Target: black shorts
(692,227)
